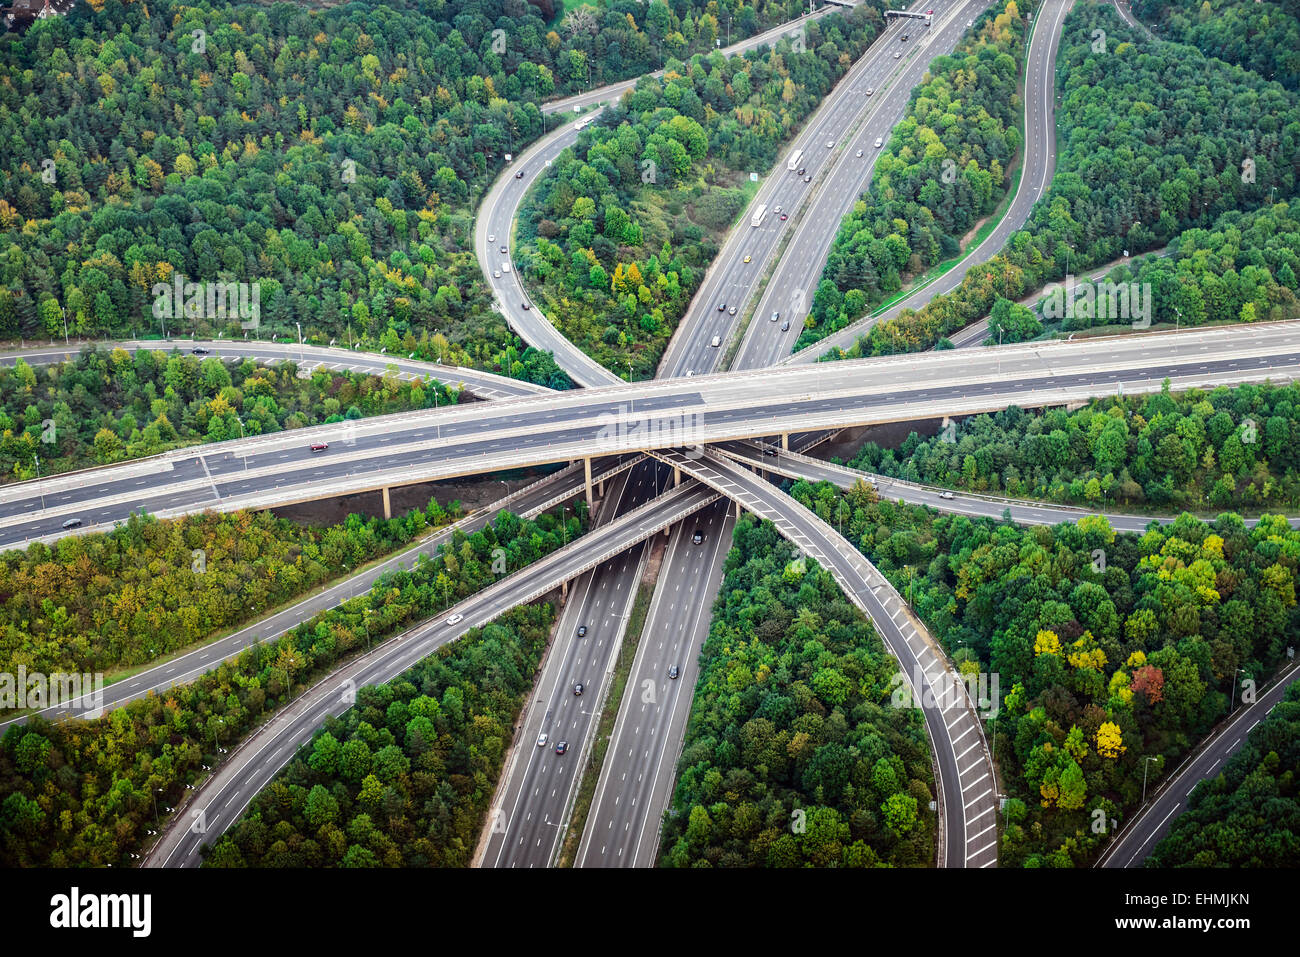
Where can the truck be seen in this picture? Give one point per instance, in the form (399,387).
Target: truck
(757,219)
(792,164)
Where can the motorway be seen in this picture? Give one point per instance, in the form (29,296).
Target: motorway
(1142,833)
(485,385)
(530,811)
(494,224)
(1038,165)
(526,502)
(566,426)
(788,293)
(222,798)
(964,779)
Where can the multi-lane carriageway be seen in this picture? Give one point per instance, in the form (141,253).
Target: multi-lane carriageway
(579,425)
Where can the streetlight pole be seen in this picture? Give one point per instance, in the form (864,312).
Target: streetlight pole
(1145,765)
(301,358)
(38,479)
(1233,703)
(242,437)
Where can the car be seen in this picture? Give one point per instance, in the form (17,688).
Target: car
(525,305)
(697,538)
(519,175)
(200,351)
(905,36)
(830,144)
(802,170)
(722,307)
(455,619)
(496,274)
(541,740)
(731,311)
(72,523)
(577,689)
(897,55)
(492,237)
(869,91)
(504,249)
(769,450)
(776,209)
(582,631)
(785,326)
(673,672)
(717,341)
(746,259)
(319,446)
(776,316)
(505,267)
(945,495)
(880,141)
(859,152)
(689,373)
(562,747)
(969,22)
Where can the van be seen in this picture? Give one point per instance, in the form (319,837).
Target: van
(717,341)
(505,267)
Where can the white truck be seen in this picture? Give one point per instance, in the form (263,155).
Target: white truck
(792,163)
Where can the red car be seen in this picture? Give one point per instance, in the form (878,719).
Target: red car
(320,446)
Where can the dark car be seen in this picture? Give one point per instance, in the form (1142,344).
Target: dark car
(697,538)
(319,446)
(200,351)
(562,747)
(673,672)
(905,36)
(504,249)
(577,689)
(768,450)
(785,326)
(802,170)
(525,305)
(722,307)
(519,175)
(582,631)
(72,523)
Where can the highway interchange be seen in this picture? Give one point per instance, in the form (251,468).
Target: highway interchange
(527,425)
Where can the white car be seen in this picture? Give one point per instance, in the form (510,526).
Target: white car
(880,141)
(868,91)
(897,55)
(541,740)
(945,495)
(505,267)
(496,274)
(717,341)
(455,619)
(492,237)
(859,152)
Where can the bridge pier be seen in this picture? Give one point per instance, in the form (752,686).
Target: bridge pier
(388,504)
(785,441)
(677,476)
(586,465)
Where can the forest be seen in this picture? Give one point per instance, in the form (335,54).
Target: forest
(617,237)
(946,165)
(82,793)
(104,407)
(1263,37)
(794,755)
(1199,139)
(102,602)
(332,156)
(1248,815)
(404,778)
(1109,648)
(1229,448)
